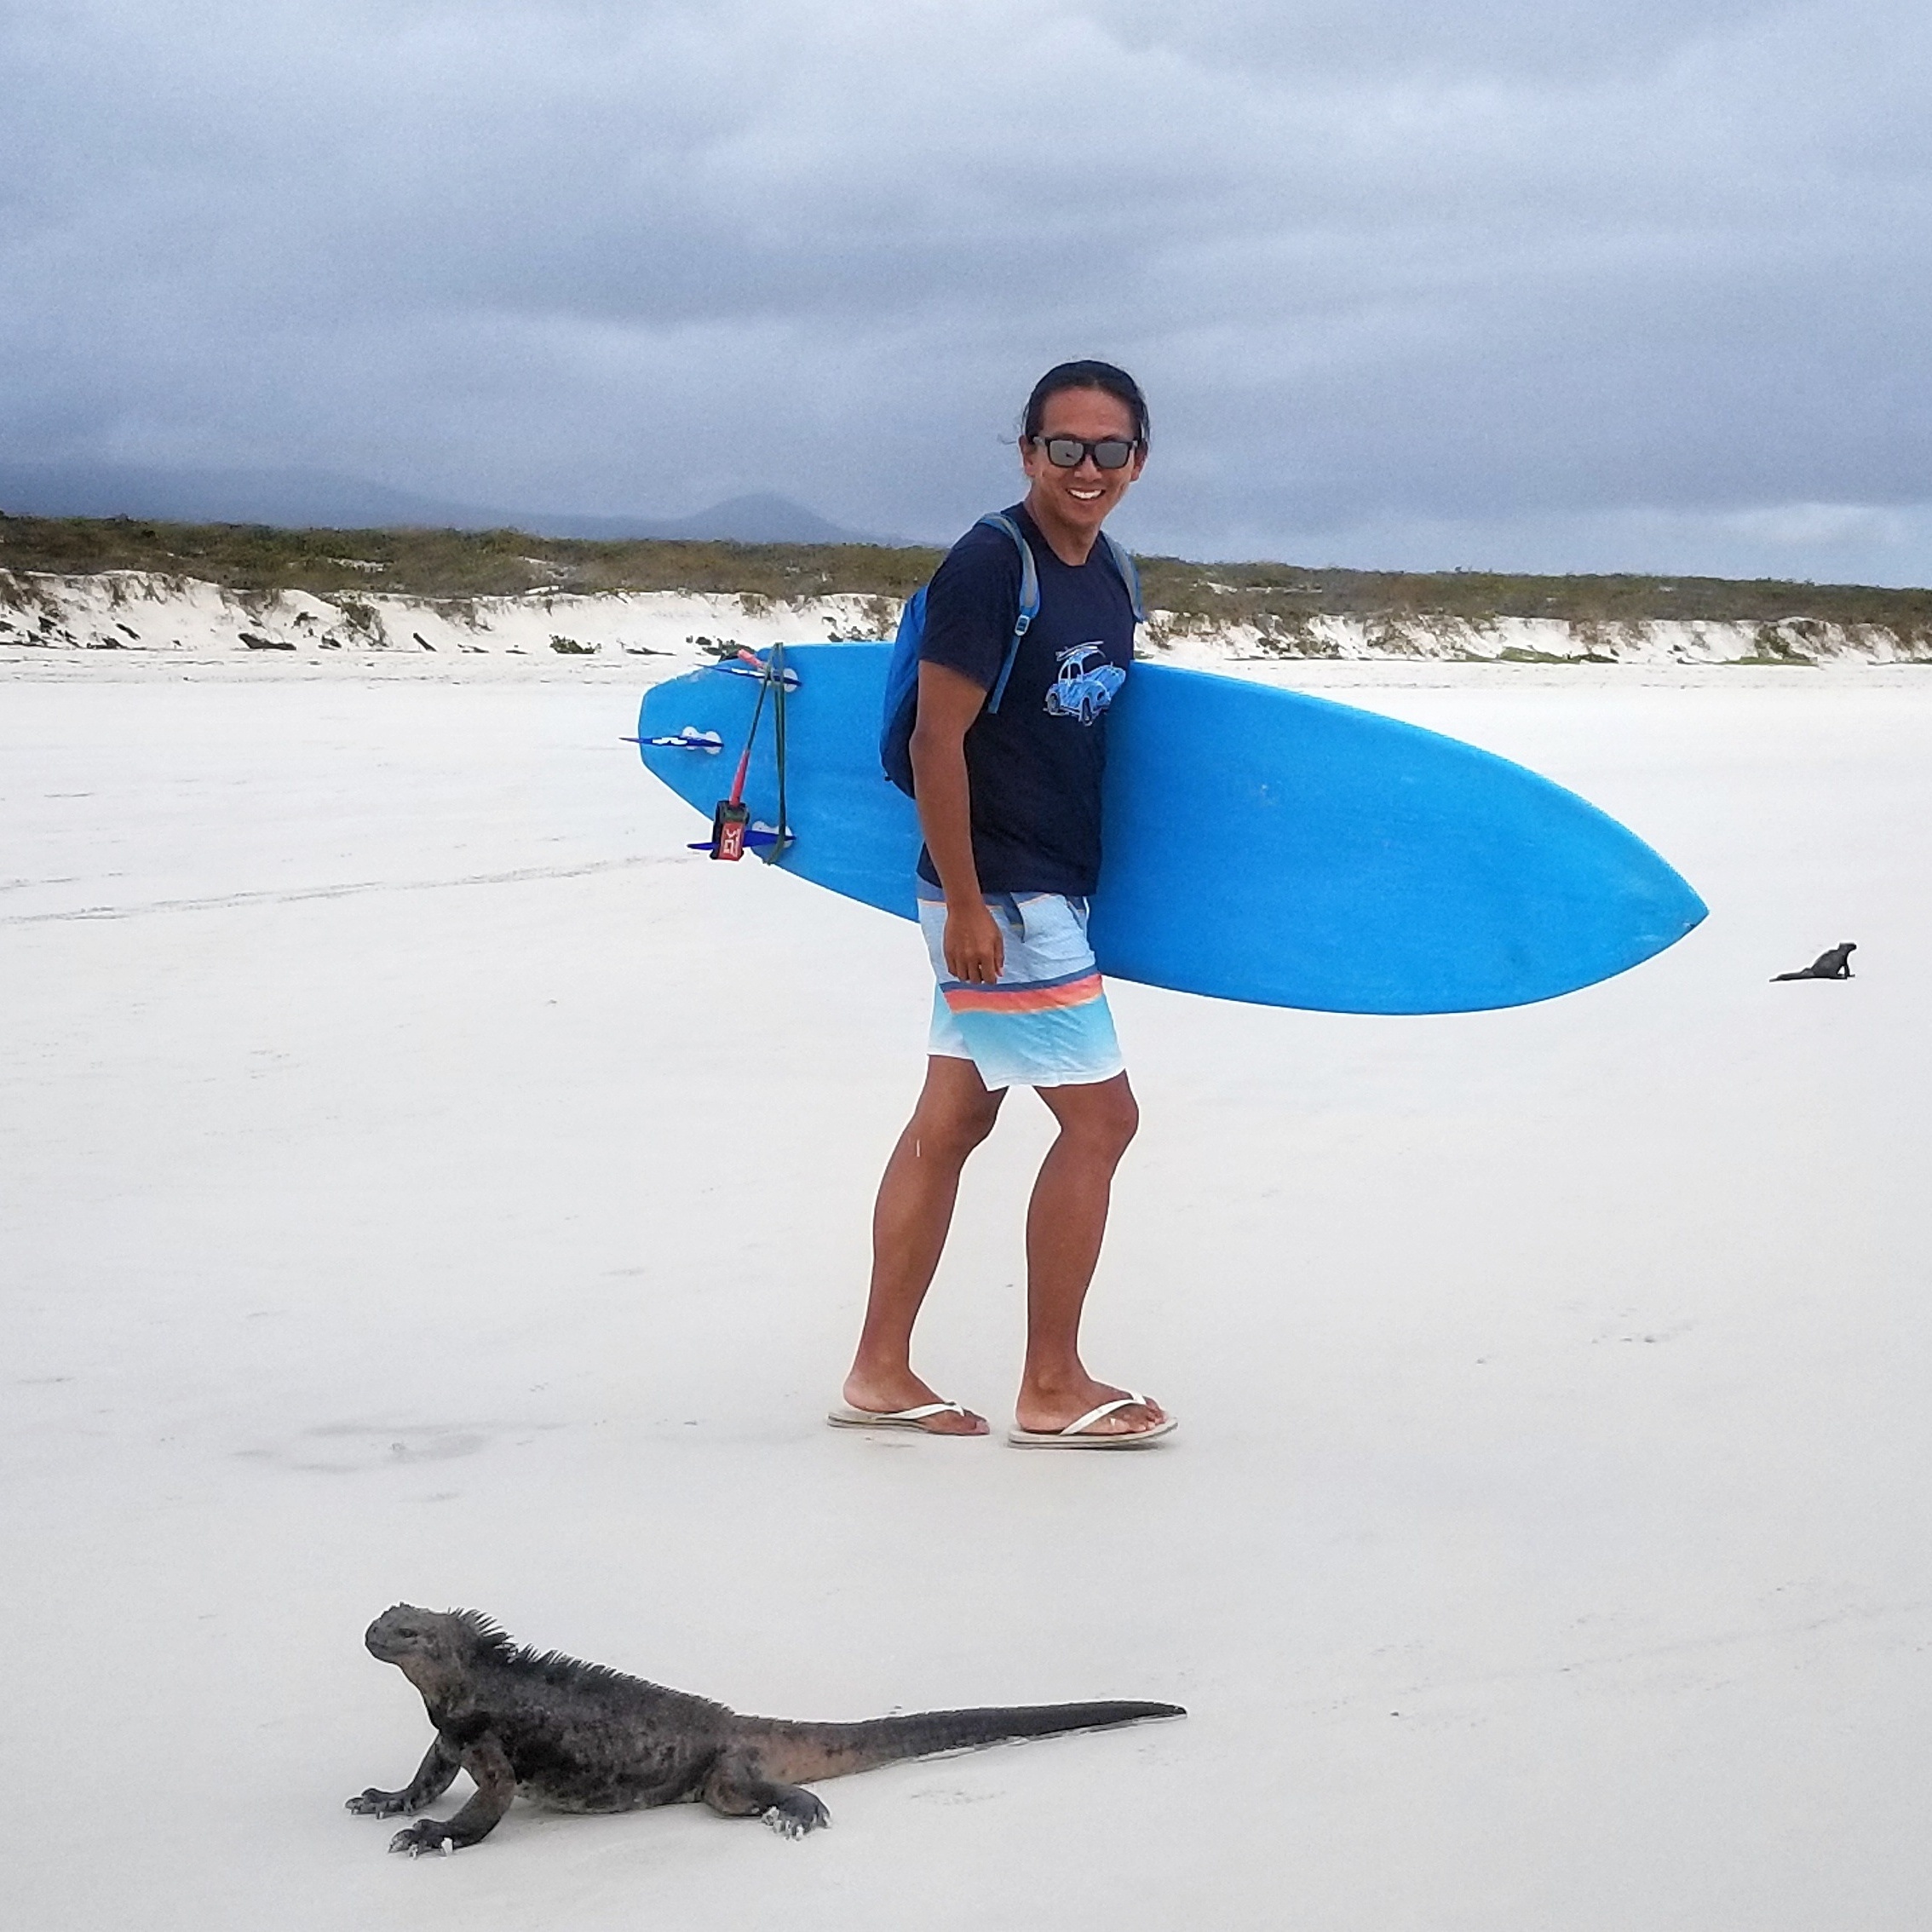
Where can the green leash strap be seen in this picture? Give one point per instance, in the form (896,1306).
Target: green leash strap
(773,854)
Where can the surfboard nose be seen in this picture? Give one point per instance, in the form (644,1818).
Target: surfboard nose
(1368,866)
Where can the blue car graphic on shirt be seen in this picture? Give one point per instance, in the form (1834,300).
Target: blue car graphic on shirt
(1084,689)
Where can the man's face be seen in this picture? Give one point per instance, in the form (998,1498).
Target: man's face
(1082,497)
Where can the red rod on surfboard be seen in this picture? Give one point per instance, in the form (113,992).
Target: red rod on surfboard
(730,819)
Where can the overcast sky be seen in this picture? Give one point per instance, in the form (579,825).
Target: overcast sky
(1523,284)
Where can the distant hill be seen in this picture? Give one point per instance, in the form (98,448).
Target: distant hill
(303,499)
(764,519)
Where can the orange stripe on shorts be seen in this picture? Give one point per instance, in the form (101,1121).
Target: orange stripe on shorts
(1023,999)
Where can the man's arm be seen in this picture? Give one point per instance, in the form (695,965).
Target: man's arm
(949,701)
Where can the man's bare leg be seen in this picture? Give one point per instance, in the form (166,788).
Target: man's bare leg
(955,1113)
(1065,1220)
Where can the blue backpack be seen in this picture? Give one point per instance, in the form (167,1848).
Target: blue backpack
(902,674)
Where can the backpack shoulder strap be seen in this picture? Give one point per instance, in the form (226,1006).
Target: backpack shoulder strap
(1029,600)
(1129,575)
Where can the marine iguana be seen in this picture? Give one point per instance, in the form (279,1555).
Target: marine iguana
(581,1737)
(1833,965)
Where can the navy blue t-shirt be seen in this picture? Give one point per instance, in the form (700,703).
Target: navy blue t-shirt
(1034,765)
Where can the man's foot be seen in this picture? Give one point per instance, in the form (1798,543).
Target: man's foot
(1048,1411)
(892,1395)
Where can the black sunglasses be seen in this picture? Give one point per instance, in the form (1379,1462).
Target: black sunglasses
(1067,453)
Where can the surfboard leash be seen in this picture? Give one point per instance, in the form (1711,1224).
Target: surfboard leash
(731,822)
(775,853)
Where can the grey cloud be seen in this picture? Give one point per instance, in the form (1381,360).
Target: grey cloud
(1534,39)
(1502,275)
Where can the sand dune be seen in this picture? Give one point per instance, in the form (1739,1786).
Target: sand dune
(178,619)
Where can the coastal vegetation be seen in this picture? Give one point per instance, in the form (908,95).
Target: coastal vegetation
(1278,599)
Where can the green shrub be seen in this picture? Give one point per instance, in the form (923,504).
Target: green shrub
(1276,599)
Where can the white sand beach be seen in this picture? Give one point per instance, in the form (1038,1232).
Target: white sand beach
(422,1178)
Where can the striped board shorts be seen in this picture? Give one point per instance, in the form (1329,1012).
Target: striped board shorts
(1046,1022)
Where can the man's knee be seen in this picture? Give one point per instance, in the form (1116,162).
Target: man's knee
(1123,1121)
(951,1129)
(1103,1118)
(973,1124)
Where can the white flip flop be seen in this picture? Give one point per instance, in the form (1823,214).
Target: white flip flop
(846,1417)
(1073,1436)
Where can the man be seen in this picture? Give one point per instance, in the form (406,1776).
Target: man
(1009,801)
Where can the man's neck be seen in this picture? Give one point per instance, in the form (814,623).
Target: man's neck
(1070,545)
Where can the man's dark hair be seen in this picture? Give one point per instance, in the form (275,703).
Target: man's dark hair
(1116,383)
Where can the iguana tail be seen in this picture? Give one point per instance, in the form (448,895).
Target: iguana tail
(799,1754)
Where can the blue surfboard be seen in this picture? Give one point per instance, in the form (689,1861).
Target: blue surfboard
(1259,844)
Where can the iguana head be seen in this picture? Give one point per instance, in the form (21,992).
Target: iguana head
(435,1649)
(402,1631)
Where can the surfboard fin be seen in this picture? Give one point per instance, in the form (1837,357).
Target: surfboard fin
(755,837)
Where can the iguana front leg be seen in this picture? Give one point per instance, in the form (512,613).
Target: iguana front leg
(433,1778)
(496,1785)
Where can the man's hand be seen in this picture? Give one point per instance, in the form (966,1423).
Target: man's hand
(948,704)
(975,949)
